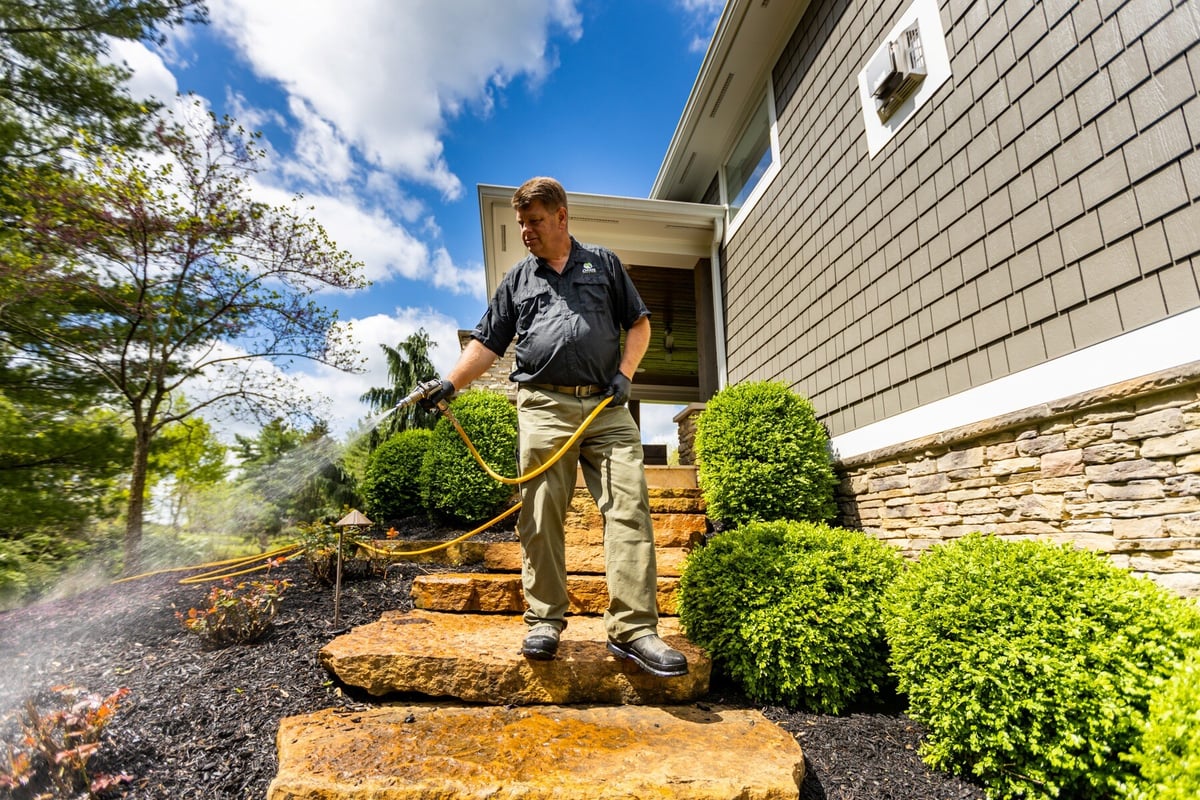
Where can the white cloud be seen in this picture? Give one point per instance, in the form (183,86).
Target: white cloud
(150,77)
(389,75)
(343,390)
(705,15)
(386,249)
(658,424)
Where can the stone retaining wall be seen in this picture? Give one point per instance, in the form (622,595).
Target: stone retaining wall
(1115,470)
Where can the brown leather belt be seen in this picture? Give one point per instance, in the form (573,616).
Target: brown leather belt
(578,391)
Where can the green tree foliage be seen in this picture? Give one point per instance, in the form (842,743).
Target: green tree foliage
(176,276)
(792,611)
(1169,751)
(392,486)
(408,366)
(292,476)
(453,486)
(60,466)
(763,455)
(188,458)
(53,81)
(1030,664)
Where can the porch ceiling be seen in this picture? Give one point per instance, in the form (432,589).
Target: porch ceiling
(643,233)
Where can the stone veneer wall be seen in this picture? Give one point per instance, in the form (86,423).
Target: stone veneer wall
(686,430)
(1115,470)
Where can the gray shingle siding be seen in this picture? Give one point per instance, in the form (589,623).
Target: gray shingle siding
(1043,200)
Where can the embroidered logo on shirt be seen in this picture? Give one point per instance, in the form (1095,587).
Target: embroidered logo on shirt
(588,269)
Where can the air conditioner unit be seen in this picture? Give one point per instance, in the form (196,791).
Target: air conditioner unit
(896,71)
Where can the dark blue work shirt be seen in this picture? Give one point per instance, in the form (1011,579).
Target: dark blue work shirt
(567,326)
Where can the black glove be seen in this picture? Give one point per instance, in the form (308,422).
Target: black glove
(438,391)
(618,390)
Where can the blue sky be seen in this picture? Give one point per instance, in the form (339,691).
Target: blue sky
(387,114)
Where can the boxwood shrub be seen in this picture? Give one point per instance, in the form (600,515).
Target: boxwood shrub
(762,455)
(790,610)
(1169,751)
(391,485)
(1031,664)
(453,486)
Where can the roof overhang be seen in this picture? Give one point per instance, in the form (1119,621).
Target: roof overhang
(749,39)
(642,232)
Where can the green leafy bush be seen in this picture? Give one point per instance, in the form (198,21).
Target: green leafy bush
(1169,751)
(453,486)
(1031,664)
(391,486)
(791,611)
(235,614)
(763,455)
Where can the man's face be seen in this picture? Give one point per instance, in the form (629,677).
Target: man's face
(544,232)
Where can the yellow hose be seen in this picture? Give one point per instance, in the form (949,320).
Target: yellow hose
(534,473)
(295,549)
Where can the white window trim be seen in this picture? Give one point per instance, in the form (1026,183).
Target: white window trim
(767,177)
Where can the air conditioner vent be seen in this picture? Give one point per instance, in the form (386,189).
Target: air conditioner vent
(896,71)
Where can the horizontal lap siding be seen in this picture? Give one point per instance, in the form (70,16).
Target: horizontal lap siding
(1042,201)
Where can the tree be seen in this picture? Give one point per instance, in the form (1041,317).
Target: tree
(52,81)
(168,274)
(190,458)
(408,365)
(293,475)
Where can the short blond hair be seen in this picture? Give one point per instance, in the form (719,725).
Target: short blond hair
(546,191)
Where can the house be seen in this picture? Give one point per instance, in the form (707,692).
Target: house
(968,232)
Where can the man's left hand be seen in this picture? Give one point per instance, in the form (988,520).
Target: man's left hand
(619,389)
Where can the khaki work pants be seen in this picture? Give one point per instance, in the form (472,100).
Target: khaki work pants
(610,453)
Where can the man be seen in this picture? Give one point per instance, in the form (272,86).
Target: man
(566,304)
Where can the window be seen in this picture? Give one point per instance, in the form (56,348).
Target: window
(752,163)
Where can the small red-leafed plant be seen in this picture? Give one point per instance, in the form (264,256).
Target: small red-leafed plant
(235,613)
(56,746)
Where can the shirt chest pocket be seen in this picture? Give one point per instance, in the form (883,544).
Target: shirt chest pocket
(591,294)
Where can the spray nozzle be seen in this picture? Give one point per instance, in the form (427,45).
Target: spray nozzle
(423,390)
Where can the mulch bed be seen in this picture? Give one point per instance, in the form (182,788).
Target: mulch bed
(201,724)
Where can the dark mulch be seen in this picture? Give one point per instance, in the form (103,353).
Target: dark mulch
(201,724)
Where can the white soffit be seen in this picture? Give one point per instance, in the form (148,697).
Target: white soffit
(648,233)
(749,39)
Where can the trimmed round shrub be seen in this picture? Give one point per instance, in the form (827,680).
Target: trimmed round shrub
(1031,664)
(453,486)
(791,611)
(391,485)
(1169,751)
(763,455)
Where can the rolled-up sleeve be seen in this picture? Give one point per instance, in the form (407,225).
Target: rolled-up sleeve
(498,325)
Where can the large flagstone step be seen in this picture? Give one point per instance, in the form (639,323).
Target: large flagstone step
(581,559)
(502,593)
(476,658)
(418,751)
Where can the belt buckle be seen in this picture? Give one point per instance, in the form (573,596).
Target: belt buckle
(583,391)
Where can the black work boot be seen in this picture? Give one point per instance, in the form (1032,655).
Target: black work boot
(653,655)
(541,643)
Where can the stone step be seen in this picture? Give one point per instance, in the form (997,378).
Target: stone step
(501,593)
(670,530)
(476,658)
(581,559)
(417,751)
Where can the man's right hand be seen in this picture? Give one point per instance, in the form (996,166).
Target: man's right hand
(438,391)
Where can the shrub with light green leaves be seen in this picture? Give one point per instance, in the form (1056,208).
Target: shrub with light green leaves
(791,611)
(1169,751)
(1031,664)
(453,486)
(391,486)
(762,455)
